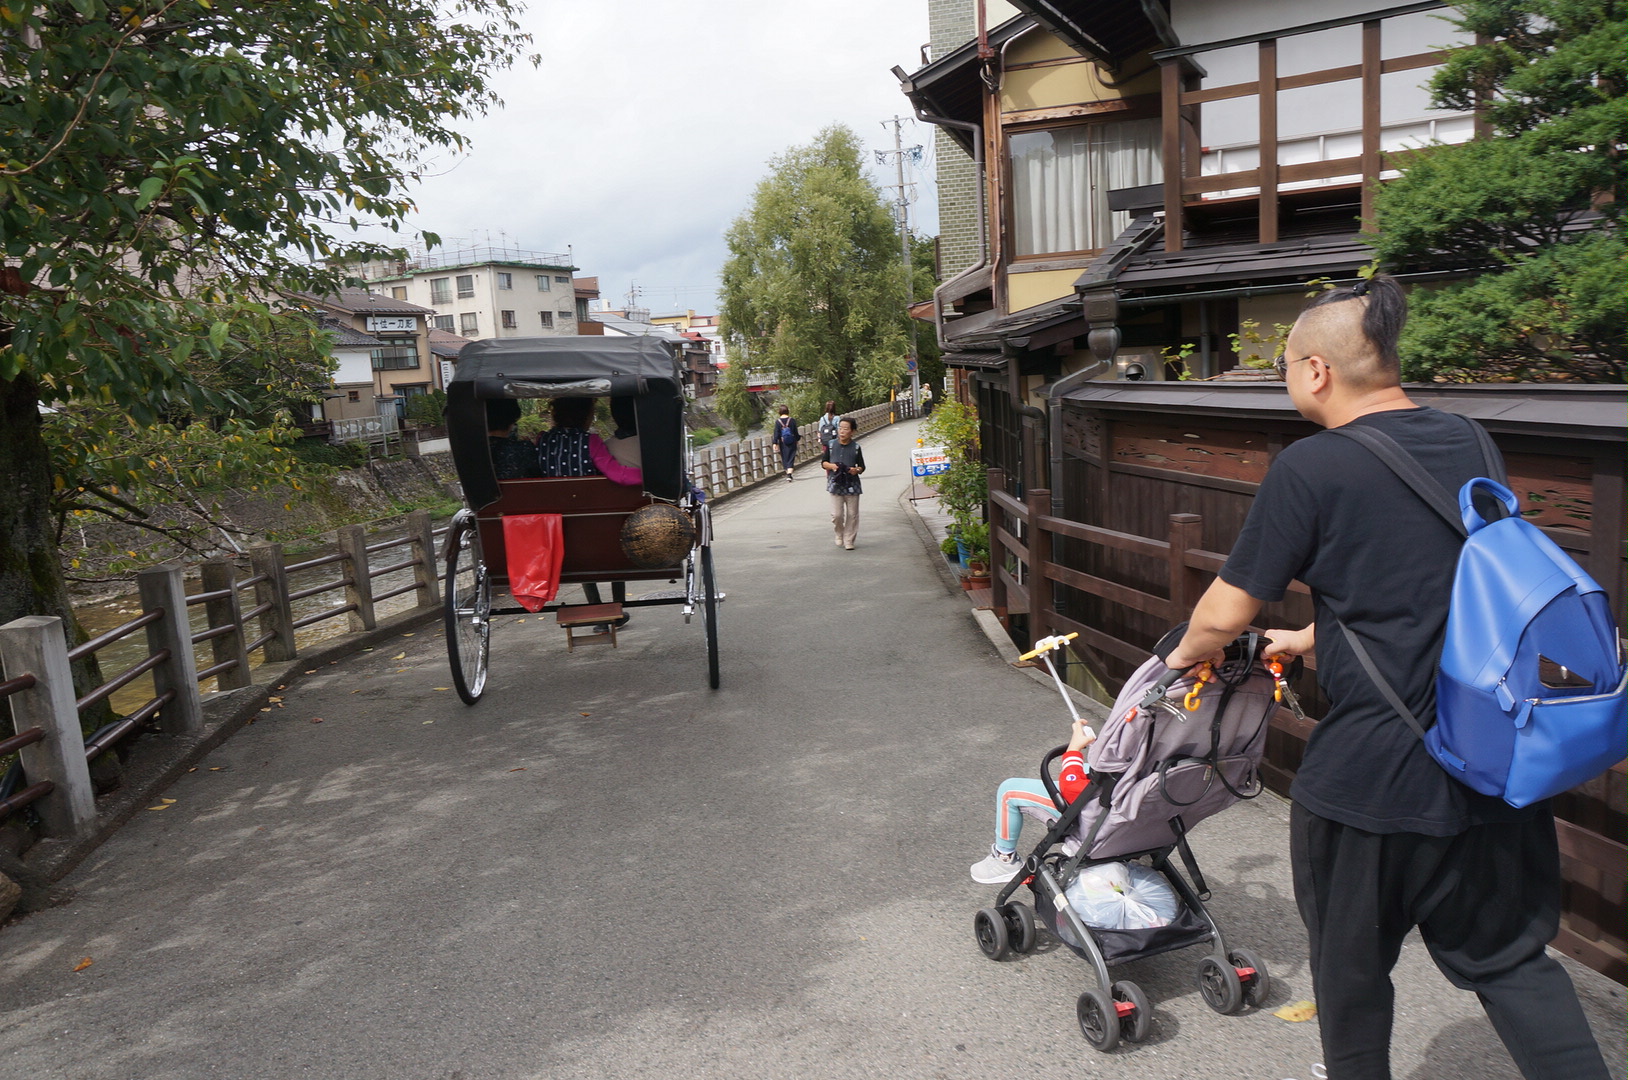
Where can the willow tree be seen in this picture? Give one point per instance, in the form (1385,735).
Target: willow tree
(166,161)
(814,289)
(1535,210)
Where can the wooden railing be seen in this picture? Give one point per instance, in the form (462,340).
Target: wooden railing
(53,753)
(723,470)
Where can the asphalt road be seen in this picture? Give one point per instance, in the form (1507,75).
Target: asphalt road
(604,869)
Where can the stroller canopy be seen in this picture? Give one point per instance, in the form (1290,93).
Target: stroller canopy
(644,369)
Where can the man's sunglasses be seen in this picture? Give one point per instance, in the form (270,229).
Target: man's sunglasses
(1281,365)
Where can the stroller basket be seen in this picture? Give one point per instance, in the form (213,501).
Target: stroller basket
(1118,946)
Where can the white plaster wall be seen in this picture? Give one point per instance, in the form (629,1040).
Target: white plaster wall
(355,365)
(1319,110)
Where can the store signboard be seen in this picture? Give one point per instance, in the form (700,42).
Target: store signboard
(929,461)
(391,324)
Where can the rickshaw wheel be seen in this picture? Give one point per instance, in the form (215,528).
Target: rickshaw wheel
(468,608)
(709,606)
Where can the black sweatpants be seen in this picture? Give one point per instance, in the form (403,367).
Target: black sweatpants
(1486,902)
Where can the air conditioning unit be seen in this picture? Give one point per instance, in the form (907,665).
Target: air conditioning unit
(1139,367)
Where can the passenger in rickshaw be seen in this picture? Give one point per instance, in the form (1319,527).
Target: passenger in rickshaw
(570,449)
(511,458)
(624,445)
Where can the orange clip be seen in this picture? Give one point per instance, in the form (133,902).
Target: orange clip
(1191,700)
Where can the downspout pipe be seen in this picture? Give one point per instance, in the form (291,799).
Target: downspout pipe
(1054,420)
(977,133)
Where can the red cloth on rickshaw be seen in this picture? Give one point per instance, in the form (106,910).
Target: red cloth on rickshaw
(534,545)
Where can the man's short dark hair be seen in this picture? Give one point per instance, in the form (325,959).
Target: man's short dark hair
(1383,315)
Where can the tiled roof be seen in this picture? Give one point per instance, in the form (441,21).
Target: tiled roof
(362,302)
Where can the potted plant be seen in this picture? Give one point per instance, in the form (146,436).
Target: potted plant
(975,534)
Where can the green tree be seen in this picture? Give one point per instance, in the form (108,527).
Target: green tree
(165,160)
(1535,210)
(814,286)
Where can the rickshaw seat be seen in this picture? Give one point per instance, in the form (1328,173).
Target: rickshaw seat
(593,510)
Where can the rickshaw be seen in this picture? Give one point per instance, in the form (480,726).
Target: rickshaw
(593,510)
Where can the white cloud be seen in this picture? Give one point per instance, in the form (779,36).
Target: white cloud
(650,122)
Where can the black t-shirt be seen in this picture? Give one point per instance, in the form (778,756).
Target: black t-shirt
(1377,558)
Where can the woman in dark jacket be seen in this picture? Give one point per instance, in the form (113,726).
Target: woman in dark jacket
(786,437)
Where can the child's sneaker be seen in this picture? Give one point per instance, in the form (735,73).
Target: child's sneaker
(996,868)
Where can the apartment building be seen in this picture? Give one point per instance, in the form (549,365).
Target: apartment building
(485,291)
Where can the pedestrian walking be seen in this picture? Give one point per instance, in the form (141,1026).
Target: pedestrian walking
(843,461)
(926,399)
(827,429)
(786,436)
(1382,838)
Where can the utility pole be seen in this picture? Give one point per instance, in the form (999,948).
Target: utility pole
(902,212)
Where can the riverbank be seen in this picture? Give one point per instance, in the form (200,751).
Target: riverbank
(103,554)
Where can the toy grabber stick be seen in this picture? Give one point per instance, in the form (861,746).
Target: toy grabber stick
(1045,647)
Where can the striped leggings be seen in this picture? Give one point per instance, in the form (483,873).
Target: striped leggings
(1015,797)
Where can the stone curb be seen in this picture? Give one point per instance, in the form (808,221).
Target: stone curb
(988,623)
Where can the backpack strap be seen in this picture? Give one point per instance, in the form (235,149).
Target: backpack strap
(1408,470)
(1428,488)
(1386,690)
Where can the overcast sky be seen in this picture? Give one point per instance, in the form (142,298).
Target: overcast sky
(650,122)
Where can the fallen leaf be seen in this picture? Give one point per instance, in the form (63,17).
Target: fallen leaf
(193,769)
(587,714)
(165,801)
(399,656)
(313,671)
(214,768)
(274,699)
(520,769)
(316,719)
(406,635)
(429,721)
(356,691)
(83,964)
(1299,1011)
(437,688)
(266,709)
(160,806)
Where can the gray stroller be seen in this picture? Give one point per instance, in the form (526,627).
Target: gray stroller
(1177,747)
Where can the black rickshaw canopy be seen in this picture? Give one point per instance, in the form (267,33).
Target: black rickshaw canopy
(645,369)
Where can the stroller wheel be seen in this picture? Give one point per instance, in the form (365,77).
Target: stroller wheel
(1099,1020)
(1220,985)
(990,929)
(1019,919)
(1256,986)
(1133,1026)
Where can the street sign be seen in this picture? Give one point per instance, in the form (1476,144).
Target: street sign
(910,365)
(929,461)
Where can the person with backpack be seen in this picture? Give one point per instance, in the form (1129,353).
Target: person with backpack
(827,429)
(1383,839)
(786,437)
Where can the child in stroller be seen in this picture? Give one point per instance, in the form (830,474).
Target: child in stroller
(1021,797)
(1177,747)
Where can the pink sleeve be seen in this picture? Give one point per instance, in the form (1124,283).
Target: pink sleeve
(626,475)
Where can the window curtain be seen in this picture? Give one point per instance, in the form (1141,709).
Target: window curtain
(1061,179)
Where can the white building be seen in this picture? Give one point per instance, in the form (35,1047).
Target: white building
(485,292)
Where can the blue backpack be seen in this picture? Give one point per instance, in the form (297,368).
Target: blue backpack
(1531,691)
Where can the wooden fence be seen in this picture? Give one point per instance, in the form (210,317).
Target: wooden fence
(1157,481)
